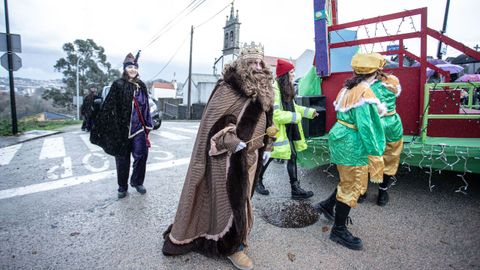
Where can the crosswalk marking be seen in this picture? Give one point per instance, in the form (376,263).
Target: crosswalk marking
(171,136)
(52,148)
(76,180)
(183,130)
(91,147)
(7,153)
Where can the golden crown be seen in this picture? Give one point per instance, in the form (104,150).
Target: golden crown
(252,51)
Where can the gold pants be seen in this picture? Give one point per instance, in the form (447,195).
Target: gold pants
(353,181)
(386,164)
(391,157)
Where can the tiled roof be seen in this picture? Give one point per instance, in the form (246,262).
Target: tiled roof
(163,85)
(272,60)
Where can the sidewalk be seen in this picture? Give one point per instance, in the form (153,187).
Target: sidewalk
(26,136)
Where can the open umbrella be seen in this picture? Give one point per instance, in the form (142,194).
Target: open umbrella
(433,62)
(469,78)
(453,69)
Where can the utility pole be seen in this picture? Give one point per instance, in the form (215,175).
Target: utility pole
(444,30)
(77,98)
(10,73)
(189,109)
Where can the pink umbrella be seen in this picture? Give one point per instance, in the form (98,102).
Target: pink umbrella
(469,78)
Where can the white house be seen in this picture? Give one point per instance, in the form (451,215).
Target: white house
(163,90)
(202,87)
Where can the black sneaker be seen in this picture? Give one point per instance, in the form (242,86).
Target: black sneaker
(122,194)
(140,189)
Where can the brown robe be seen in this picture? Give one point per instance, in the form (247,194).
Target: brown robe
(214,214)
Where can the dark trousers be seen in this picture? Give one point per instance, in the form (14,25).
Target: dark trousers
(291,165)
(87,123)
(139,151)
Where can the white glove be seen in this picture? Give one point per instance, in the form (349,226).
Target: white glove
(240,146)
(266,157)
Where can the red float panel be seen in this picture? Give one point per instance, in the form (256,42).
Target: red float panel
(444,101)
(447,101)
(408,104)
(454,128)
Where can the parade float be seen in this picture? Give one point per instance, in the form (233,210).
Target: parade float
(441,121)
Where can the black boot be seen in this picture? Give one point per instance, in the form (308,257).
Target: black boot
(362,198)
(326,207)
(298,193)
(382,199)
(260,188)
(340,233)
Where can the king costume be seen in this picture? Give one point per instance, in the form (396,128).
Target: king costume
(214,214)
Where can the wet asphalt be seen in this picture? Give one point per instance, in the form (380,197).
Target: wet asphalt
(86,227)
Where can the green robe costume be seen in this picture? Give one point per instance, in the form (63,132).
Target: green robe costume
(387,92)
(352,146)
(387,89)
(357,134)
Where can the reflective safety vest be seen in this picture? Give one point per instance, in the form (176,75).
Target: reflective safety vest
(281,146)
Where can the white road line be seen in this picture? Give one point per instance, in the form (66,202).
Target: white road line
(92,147)
(7,153)
(52,148)
(183,130)
(171,136)
(76,180)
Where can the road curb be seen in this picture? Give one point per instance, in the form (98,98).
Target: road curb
(25,137)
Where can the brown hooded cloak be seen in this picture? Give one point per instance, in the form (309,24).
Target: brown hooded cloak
(214,214)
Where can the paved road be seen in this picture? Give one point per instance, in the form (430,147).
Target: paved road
(59,211)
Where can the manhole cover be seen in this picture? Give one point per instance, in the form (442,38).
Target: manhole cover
(289,214)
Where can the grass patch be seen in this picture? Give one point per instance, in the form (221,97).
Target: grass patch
(23,126)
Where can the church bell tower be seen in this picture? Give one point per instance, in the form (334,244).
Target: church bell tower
(231,35)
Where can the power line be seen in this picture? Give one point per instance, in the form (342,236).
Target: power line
(171,58)
(170,22)
(172,25)
(183,42)
(169,25)
(209,19)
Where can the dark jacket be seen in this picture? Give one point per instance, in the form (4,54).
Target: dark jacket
(87,105)
(111,125)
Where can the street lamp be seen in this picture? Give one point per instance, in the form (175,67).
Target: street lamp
(78,91)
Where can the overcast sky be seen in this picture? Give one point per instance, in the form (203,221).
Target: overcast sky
(285,27)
